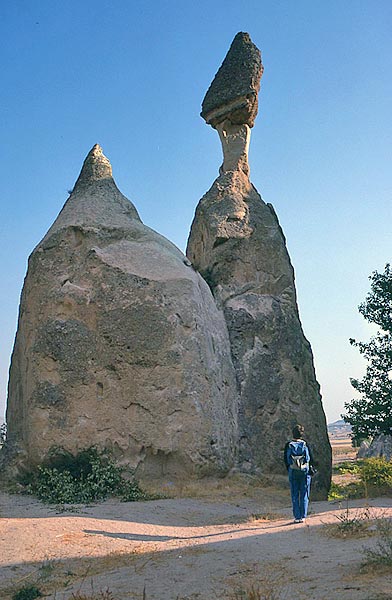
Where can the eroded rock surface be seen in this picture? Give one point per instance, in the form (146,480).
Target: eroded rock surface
(232,94)
(238,246)
(120,344)
(381,446)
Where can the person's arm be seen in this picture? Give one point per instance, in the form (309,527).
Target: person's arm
(311,457)
(312,466)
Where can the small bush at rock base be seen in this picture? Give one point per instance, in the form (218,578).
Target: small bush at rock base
(87,477)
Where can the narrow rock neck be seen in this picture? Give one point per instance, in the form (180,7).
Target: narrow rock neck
(235,141)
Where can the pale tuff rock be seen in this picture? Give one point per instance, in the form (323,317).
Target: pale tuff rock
(120,344)
(381,446)
(95,200)
(235,141)
(363,449)
(238,246)
(95,167)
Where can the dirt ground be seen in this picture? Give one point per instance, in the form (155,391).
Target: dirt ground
(214,546)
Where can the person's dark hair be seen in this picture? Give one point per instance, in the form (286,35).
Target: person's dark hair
(298,432)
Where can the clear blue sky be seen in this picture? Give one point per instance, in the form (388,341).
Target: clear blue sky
(131,76)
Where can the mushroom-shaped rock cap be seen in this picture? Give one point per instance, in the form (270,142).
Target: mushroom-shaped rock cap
(233,92)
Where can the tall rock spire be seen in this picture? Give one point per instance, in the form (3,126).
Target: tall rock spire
(238,246)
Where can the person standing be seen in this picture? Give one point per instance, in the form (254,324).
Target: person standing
(298,460)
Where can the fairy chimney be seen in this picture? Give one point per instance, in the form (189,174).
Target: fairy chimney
(238,246)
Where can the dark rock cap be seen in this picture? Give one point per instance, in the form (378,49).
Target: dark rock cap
(233,92)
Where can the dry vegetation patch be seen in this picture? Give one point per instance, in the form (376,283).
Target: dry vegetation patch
(352,524)
(52,576)
(380,556)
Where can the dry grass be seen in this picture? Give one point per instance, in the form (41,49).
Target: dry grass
(54,576)
(267,491)
(380,556)
(268,587)
(266,516)
(51,576)
(256,593)
(261,581)
(352,530)
(106,595)
(353,524)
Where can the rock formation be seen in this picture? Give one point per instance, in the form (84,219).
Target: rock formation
(233,94)
(119,344)
(380,447)
(122,345)
(363,449)
(238,246)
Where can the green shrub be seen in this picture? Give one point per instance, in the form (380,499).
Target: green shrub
(52,486)
(335,492)
(354,489)
(376,472)
(87,477)
(27,593)
(346,467)
(374,478)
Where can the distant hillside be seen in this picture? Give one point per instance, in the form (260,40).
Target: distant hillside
(339,429)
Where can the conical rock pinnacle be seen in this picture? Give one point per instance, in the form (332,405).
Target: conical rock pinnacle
(96,166)
(95,200)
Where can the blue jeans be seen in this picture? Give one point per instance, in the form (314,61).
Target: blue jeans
(300,490)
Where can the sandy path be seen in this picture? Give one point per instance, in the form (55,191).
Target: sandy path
(182,548)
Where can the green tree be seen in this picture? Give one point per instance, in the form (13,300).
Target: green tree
(371,414)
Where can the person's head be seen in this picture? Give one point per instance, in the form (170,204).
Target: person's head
(298,431)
